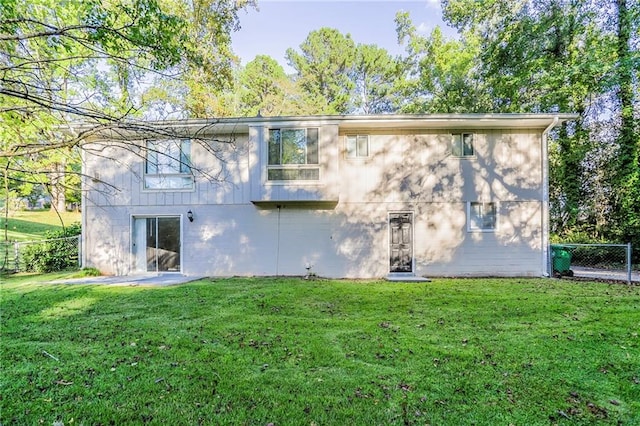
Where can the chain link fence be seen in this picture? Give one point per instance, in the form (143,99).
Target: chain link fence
(42,255)
(595,261)
(592,261)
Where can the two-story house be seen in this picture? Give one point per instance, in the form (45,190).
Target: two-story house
(338,196)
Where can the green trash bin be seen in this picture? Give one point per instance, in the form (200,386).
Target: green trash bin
(561,259)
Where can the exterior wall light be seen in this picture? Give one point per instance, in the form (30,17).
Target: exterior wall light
(190,216)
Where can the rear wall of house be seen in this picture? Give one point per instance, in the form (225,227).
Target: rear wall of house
(233,233)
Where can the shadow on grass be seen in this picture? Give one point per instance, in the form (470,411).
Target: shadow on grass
(291,351)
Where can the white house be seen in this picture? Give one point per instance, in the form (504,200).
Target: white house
(338,196)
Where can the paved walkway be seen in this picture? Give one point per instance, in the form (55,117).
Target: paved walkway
(157,280)
(604,274)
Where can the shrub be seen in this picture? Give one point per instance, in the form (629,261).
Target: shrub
(58,253)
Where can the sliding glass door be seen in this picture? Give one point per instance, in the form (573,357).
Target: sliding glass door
(156,244)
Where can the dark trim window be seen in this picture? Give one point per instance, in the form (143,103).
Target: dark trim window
(293,154)
(482,216)
(357,146)
(168,164)
(462,145)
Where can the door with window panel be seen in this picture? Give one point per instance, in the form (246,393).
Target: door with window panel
(401,242)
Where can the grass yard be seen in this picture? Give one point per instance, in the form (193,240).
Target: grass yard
(30,225)
(294,352)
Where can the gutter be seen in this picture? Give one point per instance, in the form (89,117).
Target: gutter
(546,258)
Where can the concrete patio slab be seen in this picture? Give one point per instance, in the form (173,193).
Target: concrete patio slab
(151,280)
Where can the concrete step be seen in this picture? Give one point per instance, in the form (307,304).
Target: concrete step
(407,278)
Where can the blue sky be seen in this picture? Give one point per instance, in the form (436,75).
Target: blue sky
(280,24)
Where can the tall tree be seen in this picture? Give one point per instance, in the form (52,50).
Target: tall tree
(544,55)
(67,62)
(209,72)
(264,88)
(551,56)
(323,68)
(374,74)
(441,75)
(626,87)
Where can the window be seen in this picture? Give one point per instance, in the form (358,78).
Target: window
(293,154)
(482,216)
(462,145)
(357,146)
(168,165)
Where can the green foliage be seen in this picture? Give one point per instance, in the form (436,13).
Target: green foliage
(441,76)
(293,352)
(340,76)
(323,67)
(262,86)
(207,69)
(57,254)
(375,74)
(89,61)
(535,56)
(569,56)
(91,57)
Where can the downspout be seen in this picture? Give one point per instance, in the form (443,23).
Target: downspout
(546,259)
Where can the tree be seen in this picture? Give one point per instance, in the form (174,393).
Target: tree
(323,68)
(566,56)
(374,76)
(442,76)
(62,63)
(626,202)
(262,87)
(208,71)
(341,77)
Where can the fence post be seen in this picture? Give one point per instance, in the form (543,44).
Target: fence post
(628,263)
(79,245)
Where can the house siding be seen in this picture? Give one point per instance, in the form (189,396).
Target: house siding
(338,226)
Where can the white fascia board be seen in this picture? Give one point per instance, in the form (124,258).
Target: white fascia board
(240,125)
(455,121)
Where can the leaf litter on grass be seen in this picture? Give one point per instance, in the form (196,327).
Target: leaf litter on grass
(470,351)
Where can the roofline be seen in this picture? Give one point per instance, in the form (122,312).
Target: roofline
(562,117)
(238,125)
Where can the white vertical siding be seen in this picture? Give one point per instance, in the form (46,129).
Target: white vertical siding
(405,171)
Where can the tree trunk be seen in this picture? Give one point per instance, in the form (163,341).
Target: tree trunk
(56,180)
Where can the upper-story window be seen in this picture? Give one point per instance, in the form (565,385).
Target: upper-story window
(462,145)
(357,146)
(168,164)
(293,154)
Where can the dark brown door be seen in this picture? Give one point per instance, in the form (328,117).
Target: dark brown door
(400,244)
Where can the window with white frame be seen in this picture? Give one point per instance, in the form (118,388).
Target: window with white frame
(168,164)
(357,146)
(293,154)
(482,216)
(462,145)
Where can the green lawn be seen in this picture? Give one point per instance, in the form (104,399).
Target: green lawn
(30,225)
(295,352)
